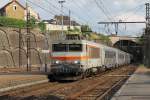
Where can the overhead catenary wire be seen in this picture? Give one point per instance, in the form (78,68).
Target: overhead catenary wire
(102,9)
(51,13)
(76,15)
(106,13)
(55,7)
(79,5)
(44,9)
(89,20)
(85,6)
(133,11)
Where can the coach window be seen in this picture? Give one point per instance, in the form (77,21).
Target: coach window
(75,47)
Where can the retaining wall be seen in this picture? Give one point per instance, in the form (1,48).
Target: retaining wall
(13,48)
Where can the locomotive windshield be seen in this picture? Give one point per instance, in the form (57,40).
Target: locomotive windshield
(67,47)
(75,47)
(59,47)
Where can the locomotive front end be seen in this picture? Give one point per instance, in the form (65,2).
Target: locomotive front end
(67,59)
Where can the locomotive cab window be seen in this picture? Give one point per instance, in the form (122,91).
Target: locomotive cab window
(59,47)
(67,47)
(75,47)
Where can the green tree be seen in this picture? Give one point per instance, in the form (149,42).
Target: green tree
(42,26)
(32,22)
(86,29)
(75,29)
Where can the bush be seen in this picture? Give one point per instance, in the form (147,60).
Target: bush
(42,26)
(85,29)
(12,22)
(17,23)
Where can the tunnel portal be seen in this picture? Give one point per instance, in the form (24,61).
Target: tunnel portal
(131,47)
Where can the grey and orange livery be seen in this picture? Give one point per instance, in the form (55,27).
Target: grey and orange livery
(72,58)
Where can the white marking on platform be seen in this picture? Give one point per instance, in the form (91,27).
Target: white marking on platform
(120,75)
(23,85)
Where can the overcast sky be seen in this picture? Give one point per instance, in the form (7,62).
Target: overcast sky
(92,11)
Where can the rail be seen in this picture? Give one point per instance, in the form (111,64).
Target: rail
(110,92)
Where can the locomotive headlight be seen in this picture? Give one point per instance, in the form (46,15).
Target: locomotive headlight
(76,62)
(57,62)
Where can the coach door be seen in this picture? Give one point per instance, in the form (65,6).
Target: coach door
(88,55)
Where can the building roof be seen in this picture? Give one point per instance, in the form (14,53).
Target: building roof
(66,21)
(60,17)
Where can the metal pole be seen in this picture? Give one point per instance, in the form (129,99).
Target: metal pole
(62,17)
(46,48)
(116,28)
(69,19)
(147,37)
(28,37)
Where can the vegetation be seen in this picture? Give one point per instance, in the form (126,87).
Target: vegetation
(141,39)
(105,39)
(85,29)
(42,26)
(17,23)
(32,22)
(100,38)
(11,22)
(87,32)
(74,31)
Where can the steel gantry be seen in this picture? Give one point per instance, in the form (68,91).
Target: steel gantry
(146,36)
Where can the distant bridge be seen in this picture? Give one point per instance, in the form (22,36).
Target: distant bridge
(115,39)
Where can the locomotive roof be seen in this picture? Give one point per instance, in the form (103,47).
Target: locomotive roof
(87,41)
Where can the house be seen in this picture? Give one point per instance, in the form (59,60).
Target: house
(55,24)
(15,9)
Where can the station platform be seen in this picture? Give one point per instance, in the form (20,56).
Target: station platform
(137,86)
(13,81)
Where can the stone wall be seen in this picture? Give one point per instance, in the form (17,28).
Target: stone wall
(13,50)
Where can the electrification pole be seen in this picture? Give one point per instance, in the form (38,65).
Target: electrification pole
(62,17)
(28,37)
(69,19)
(147,37)
(20,46)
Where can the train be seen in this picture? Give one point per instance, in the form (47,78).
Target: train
(82,58)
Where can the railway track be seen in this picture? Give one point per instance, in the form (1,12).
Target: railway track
(104,87)
(98,87)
